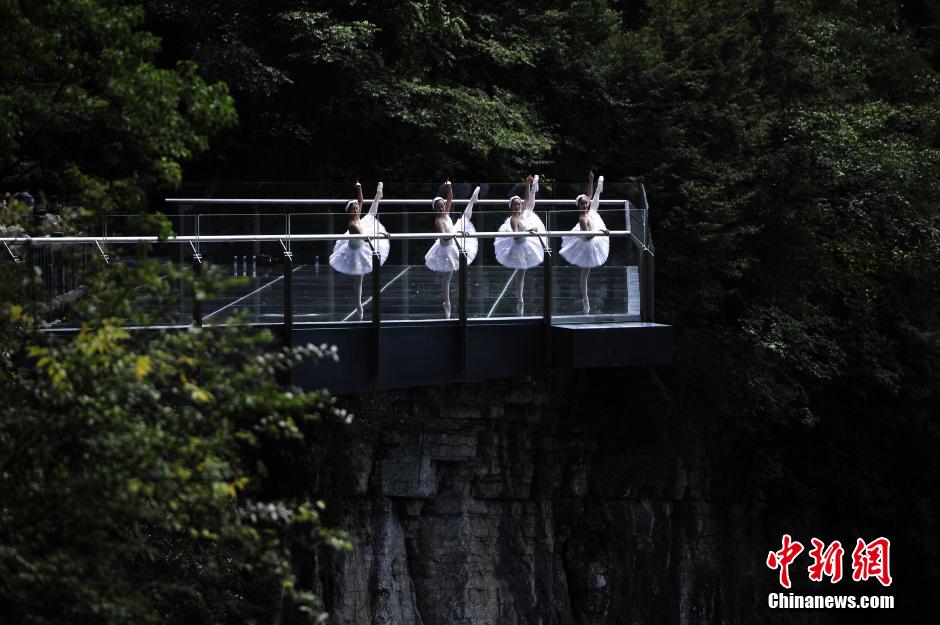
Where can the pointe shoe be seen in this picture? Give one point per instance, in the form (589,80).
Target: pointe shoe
(446,310)
(520,308)
(359,311)
(586,305)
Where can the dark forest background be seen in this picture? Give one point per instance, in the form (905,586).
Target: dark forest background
(790,151)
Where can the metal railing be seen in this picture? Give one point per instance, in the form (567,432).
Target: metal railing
(635,220)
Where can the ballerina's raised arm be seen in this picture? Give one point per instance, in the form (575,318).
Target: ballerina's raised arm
(532,187)
(450,197)
(442,222)
(596,200)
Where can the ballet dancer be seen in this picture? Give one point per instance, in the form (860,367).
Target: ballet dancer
(587,251)
(521,253)
(443,255)
(354,256)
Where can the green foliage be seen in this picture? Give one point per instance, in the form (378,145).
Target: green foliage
(422,89)
(321,40)
(86,109)
(494,128)
(791,154)
(133,470)
(134,465)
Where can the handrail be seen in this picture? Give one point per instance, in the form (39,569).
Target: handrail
(235,238)
(277,201)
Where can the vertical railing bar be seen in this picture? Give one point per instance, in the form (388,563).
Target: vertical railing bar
(547,297)
(645,210)
(31,282)
(651,268)
(287,336)
(376,305)
(288,331)
(462,307)
(650,261)
(197,272)
(629,228)
(376,310)
(641,274)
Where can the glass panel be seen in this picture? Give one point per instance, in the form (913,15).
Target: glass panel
(321,293)
(598,293)
(410,290)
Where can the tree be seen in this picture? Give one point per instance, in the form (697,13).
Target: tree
(133,465)
(791,153)
(133,481)
(85,111)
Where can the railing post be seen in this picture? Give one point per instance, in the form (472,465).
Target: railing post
(285,377)
(31,281)
(646,272)
(197,304)
(644,287)
(376,310)
(288,334)
(628,226)
(462,308)
(547,299)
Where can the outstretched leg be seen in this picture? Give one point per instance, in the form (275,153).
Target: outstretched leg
(358,296)
(520,286)
(585,302)
(445,285)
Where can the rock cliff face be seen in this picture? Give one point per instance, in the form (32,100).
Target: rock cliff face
(547,501)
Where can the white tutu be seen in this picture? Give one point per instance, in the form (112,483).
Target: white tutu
(354,256)
(522,253)
(585,252)
(444,256)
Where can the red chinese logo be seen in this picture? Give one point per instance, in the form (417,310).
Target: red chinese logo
(872,560)
(782,559)
(826,562)
(869,560)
